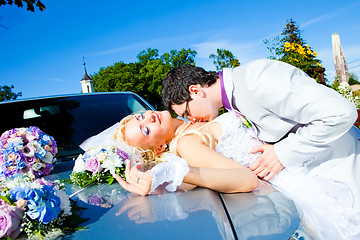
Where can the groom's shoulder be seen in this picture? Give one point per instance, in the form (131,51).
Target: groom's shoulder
(254,65)
(260,63)
(264,68)
(251,68)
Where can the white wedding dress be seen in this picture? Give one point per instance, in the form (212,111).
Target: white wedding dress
(326,204)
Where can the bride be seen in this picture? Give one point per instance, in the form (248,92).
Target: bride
(217,155)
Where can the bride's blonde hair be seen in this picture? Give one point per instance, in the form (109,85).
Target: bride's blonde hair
(148,157)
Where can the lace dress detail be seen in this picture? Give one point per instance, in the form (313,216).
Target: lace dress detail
(236,140)
(326,203)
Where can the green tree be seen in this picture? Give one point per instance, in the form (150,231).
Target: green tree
(176,58)
(353,79)
(148,55)
(143,77)
(292,48)
(292,33)
(6,93)
(30,4)
(224,59)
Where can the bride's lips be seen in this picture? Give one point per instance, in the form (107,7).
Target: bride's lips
(158,117)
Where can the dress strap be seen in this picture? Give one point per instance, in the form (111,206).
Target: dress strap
(182,131)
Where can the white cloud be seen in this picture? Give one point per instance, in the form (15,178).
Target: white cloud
(329,15)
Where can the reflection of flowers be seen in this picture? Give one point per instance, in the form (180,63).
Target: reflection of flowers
(36,207)
(95,200)
(98,164)
(102,195)
(26,150)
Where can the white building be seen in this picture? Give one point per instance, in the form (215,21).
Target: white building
(86,83)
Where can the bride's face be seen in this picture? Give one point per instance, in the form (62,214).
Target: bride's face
(149,130)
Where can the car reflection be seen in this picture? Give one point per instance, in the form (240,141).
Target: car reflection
(262,214)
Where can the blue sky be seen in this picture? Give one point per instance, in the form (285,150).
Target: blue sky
(42,53)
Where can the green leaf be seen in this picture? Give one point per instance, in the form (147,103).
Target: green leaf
(7,200)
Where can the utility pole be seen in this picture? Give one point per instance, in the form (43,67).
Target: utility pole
(339,59)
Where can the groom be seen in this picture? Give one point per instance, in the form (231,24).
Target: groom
(302,123)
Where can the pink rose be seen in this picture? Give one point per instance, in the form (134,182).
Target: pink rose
(10,220)
(93,165)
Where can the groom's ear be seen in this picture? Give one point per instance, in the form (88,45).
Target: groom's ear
(196,91)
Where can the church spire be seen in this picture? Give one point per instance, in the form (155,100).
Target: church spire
(86,76)
(86,81)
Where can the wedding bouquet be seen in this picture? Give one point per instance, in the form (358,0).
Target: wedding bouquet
(98,164)
(26,150)
(38,208)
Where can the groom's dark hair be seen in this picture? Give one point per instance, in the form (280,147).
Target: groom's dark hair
(175,86)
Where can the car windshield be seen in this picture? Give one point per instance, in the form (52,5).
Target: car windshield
(71,119)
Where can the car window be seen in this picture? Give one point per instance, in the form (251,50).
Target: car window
(71,119)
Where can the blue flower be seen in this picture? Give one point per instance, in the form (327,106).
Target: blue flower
(40,153)
(44,139)
(20,164)
(46,206)
(26,193)
(44,211)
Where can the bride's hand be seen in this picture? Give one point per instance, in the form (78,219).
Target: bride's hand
(136,181)
(139,209)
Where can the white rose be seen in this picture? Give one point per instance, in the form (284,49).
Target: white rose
(109,165)
(47,158)
(37,166)
(79,165)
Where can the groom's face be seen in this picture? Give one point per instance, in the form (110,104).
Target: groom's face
(197,109)
(203,105)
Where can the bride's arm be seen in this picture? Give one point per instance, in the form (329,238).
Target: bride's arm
(212,170)
(208,169)
(222,180)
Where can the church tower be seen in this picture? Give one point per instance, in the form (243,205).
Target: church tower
(86,83)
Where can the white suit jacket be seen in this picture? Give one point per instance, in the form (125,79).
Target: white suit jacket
(309,124)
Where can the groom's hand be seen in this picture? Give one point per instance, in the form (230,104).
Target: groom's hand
(268,164)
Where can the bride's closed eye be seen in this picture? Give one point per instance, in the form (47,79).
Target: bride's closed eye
(139,116)
(145,130)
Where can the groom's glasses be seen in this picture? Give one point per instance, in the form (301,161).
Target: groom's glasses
(186,113)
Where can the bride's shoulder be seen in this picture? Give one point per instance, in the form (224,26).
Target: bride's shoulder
(188,142)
